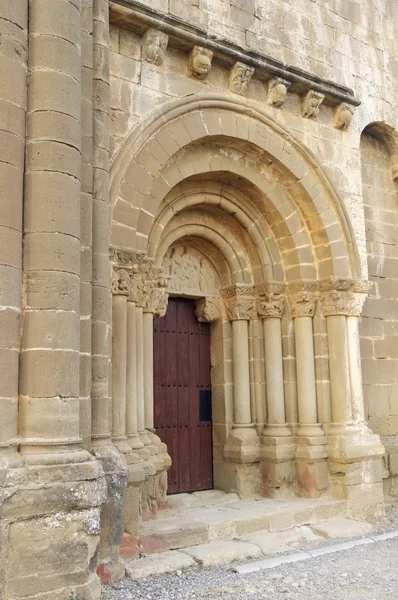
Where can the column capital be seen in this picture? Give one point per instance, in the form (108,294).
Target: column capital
(270,300)
(343,296)
(120,285)
(302,298)
(239,302)
(143,282)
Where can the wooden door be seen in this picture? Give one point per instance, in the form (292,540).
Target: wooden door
(182,395)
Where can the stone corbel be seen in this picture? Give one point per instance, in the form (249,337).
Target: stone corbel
(199,62)
(270,300)
(154,44)
(239,303)
(239,78)
(343,116)
(302,299)
(343,296)
(208,310)
(311,103)
(277,90)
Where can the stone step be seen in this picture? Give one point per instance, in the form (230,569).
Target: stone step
(233,519)
(305,541)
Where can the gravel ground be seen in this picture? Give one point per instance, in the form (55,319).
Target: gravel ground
(368,572)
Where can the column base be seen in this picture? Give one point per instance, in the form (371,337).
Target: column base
(277,466)
(355,455)
(312,473)
(134,441)
(50,531)
(242,445)
(352,443)
(110,564)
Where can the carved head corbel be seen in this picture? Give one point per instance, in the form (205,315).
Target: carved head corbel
(154,46)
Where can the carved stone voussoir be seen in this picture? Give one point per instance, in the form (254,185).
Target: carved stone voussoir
(208,310)
(120,282)
(270,300)
(240,303)
(239,78)
(199,63)
(311,103)
(154,44)
(343,116)
(277,90)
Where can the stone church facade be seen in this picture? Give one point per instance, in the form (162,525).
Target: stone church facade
(208,184)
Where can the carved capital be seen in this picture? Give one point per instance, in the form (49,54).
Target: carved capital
(199,62)
(343,296)
(154,44)
(311,103)
(303,304)
(239,302)
(271,300)
(239,78)
(302,298)
(337,302)
(208,310)
(343,116)
(277,90)
(120,282)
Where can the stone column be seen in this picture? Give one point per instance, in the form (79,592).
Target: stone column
(66,481)
(13,59)
(277,442)
(242,445)
(121,287)
(354,451)
(49,365)
(311,465)
(113,462)
(131,392)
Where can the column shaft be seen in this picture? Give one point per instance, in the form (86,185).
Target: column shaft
(12,118)
(259,395)
(354,357)
(339,369)
(140,371)
(131,393)
(305,366)
(148,370)
(86,222)
(50,345)
(274,371)
(101,299)
(119,368)
(240,353)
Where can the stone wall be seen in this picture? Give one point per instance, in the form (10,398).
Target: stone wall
(379,329)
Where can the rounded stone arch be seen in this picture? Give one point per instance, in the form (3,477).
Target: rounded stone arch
(197,137)
(387,136)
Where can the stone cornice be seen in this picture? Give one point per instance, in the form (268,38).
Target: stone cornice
(132,14)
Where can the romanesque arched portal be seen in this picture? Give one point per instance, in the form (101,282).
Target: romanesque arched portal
(214,190)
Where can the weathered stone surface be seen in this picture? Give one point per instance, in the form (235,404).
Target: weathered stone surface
(158,564)
(223,552)
(339,527)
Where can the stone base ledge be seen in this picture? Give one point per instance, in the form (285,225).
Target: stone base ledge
(278,449)
(242,446)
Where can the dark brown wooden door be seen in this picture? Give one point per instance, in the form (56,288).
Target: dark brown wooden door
(183,395)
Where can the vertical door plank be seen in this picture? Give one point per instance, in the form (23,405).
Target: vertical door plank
(184,307)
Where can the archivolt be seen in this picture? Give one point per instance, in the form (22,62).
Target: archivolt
(215,137)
